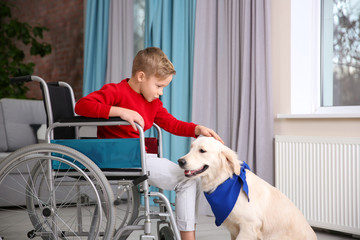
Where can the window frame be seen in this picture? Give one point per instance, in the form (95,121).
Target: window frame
(305,57)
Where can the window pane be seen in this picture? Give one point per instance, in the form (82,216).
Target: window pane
(341,53)
(139,25)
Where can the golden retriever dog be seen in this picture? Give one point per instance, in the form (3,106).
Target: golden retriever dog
(259,211)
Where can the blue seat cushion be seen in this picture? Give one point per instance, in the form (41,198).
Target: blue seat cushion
(106,153)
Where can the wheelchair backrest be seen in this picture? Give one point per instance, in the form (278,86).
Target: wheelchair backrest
(61,104)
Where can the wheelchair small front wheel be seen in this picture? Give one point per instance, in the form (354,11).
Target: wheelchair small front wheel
(166,233)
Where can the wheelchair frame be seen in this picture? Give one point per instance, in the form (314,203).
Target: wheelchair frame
(101,187)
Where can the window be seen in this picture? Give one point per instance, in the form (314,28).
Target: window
(340,53)
(312,56)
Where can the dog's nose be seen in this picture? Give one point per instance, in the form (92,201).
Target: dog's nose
(182,162)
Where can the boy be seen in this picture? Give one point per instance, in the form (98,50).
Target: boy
(137,100)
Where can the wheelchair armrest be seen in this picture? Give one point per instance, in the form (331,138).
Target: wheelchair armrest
(78,119)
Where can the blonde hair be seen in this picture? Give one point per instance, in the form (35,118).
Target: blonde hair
(153,62)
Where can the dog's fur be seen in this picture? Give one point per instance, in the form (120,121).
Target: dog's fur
(268,214)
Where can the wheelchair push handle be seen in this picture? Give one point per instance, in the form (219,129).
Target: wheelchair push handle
(21,79)
(27,78)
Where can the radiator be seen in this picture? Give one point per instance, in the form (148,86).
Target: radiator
(321,175)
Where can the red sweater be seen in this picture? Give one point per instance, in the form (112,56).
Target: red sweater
(98,103)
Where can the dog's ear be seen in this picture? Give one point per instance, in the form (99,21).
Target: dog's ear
(232,159)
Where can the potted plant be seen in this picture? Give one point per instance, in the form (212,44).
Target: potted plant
(12,64)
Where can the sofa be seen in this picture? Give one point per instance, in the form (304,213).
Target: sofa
(20,121)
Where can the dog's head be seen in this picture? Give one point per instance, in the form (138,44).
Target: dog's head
(210,160)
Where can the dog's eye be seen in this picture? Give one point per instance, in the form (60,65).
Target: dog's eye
(202,150)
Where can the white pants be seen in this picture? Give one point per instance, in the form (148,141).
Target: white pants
(169,176)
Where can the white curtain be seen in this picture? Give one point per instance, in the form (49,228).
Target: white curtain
(120,41)
(231,81)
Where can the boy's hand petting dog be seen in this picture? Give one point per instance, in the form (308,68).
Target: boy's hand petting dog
(207,132)
(128,115)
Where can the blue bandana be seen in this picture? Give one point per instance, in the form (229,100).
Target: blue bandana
(223,199)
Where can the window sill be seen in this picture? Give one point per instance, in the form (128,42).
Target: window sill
(317,115)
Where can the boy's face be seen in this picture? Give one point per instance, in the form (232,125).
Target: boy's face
(152,87)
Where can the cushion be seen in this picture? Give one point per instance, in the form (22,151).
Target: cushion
(16,117)
(106,153)
(39,132)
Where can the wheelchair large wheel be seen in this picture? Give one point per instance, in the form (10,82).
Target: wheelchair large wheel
(64,200)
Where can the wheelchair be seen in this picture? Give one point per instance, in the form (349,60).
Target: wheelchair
(73,187)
